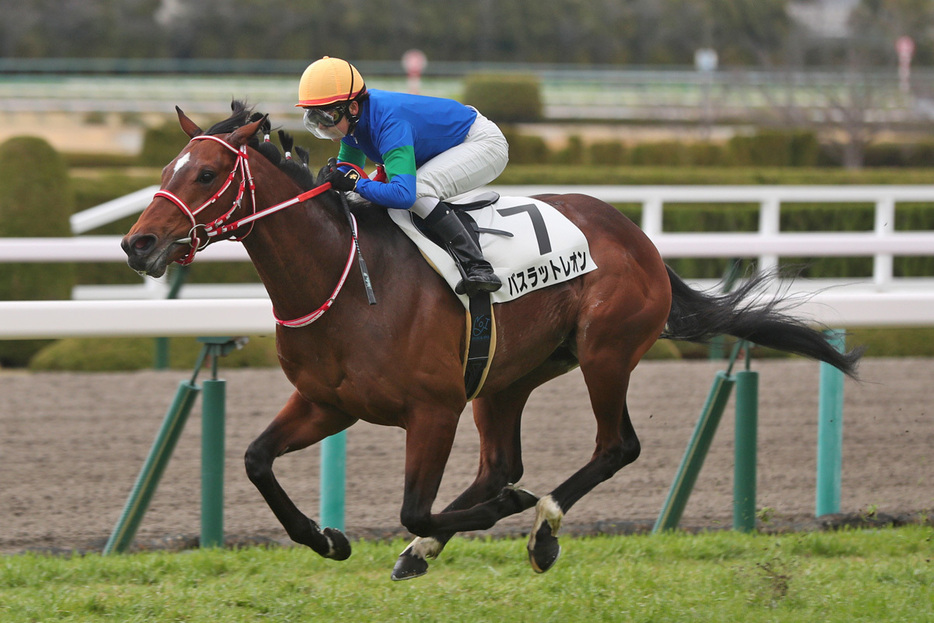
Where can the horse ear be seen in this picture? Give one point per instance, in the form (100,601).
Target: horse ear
(189,126)
(242,134)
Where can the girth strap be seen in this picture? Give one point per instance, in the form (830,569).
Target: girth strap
(481,336)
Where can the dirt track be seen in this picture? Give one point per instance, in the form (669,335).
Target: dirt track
(71,446)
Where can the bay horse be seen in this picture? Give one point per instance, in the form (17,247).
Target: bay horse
(401,362)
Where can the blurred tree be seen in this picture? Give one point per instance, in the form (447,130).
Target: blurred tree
(876,24)
(850,111)
(750,31)
(619,32)
(72,25)
(19,19)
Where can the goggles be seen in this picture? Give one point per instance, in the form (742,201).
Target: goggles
(327,117)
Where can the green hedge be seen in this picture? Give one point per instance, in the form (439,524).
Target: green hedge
(525,149)
(774,148)
(512,99)
(919,154)
(688,217)
(35,200)
(161,144)
(519,173)
(127,354)
(93,187)
(505,98)
(765,148)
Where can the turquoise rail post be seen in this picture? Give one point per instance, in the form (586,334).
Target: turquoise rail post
(830,432)
(697,449)
(161,355)
(212,460)
(745,451)
(212,444)
(333,480)
(213,403)
(212,463)
(158,458)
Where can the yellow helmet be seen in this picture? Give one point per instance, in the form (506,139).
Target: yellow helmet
(329,81)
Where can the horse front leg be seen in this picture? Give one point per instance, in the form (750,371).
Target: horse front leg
(299,425)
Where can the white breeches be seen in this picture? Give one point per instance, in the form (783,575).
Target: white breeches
(477,161)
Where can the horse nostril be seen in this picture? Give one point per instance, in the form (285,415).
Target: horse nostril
(138,245)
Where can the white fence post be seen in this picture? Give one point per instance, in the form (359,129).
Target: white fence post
(769,225)
(884,225)
(652,216)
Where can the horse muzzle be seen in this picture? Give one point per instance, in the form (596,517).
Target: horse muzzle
(145,255)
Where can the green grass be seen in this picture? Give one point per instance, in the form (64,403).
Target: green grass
(872,575)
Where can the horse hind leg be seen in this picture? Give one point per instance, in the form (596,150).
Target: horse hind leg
(618,324)
(299,425)
(617,446)
(543,544)
(498,420)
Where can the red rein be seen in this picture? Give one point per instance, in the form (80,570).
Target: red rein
(221,226)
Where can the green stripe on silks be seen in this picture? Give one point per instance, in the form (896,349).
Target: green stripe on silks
(482,342)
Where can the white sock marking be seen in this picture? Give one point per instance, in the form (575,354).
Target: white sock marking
(425,547)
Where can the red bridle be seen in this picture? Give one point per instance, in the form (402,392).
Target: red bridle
(220,225)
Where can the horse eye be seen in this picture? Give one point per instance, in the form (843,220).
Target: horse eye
(206,177)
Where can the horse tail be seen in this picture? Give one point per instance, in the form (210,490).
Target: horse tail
(745,313)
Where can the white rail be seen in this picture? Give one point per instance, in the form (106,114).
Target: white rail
(769,243)
(108,212)
(253,316)
(880,299)
(139,318)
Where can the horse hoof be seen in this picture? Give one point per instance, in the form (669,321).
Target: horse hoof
(339,546)
(526,499)
(543,550)
(409,566)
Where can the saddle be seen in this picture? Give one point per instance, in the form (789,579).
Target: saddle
(529,243)
(530,246)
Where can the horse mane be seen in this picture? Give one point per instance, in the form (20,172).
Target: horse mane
(296,168)
(240,116)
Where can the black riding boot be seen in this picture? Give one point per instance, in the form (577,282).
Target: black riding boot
(477,272)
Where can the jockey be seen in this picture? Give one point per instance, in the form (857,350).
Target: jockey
(431,148)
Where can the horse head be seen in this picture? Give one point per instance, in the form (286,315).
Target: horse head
(207,184)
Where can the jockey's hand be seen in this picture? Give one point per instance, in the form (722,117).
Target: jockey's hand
(343,180)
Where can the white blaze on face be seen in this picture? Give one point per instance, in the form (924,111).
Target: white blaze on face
(180,163)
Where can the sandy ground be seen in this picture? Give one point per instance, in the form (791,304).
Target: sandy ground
(71,446)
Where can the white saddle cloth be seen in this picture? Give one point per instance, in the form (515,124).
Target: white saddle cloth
(545,249)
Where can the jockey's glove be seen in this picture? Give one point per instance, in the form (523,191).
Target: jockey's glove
(343,180)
